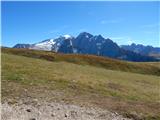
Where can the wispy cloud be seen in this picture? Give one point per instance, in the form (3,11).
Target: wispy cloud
(110,21)
(117,38)
(123,40)
(130,41)
(53,31)
(58,30)
(65,26)
(151,25)
(82,30)
(148,32)
(150,28)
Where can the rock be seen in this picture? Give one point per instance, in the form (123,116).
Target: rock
(66,115)
(32,119)
(28,110)
(25,90)
(35,100)
(73,114)
(52,115)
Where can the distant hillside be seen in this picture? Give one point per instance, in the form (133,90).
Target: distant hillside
(98,61)
(22,46)
(86,43)
(141,49)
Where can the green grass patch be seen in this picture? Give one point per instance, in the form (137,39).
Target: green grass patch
(103,62)
(83,81)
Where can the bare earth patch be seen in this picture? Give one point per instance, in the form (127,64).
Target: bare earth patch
(55,111)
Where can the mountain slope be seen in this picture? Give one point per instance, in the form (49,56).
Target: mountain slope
(85,43)
(98,61)
(141,49)
(22,46)
(130,94)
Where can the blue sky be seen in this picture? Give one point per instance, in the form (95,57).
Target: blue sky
(123,22)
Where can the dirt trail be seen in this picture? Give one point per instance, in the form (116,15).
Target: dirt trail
(55,111)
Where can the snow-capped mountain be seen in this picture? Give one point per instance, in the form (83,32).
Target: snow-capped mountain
(63,44)
(49,44)
(52,44)
(86,43)
(44,45)
(97,45)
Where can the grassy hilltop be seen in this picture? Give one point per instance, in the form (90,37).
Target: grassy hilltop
(131,89)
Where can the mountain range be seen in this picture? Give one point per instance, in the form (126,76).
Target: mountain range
(86,43)
(143,50)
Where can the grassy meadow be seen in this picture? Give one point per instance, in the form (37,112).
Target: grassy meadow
(131,89)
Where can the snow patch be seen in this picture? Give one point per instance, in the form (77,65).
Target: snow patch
(45,45)
(87,36)
(67,36)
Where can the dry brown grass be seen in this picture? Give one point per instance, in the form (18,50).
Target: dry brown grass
(131,94)
(97,61)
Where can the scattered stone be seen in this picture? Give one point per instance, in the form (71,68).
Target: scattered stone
(59,111)
(25,90)
(32,119)
(52,115)
(73,114)
(35,100)
(89,113)
(65,115)
(116,113)
(102,116)
(28,110)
